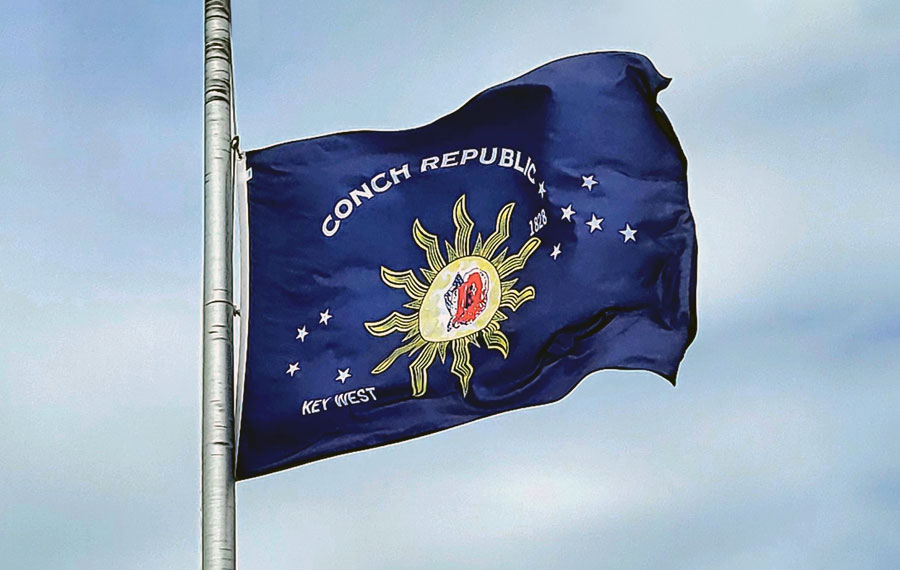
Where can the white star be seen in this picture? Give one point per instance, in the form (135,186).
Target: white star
(301,334)
(595,222)
(541,190)
(567,212)
(323,318)
(343,375)
(293,368)
(628,233)
(556,251)
(588,182)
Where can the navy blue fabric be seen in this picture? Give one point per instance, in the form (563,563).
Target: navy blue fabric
(602,302)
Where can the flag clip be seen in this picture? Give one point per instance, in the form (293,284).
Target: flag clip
(236,146)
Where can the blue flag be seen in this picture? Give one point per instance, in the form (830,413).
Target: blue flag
(405,282)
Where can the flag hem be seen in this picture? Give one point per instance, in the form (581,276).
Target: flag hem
(288,465)
(242,176)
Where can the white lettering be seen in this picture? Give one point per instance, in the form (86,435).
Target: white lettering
(379,183)
(516,165)
(383,181)
(365,193)
(349,398)
(467,155)
(311,407)
(330,231)
(429,163)
(343,208)
(379,188)
(483,160)
(449,159)
(396,172)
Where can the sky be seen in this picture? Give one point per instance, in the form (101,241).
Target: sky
(777,449)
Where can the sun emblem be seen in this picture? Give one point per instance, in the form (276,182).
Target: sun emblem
(461,300)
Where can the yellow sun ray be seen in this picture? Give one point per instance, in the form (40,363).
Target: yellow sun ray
(395,322)
(513,299)
(405,280)
(476,249)
(429,243)
(414,304)
(418,370)
(441,319)
(496,340)
(397,353)
(498,259)
(461,366)
(452,254)
(517,262)
(464,226)
(501,231)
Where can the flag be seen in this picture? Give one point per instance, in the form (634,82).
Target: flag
(400,283)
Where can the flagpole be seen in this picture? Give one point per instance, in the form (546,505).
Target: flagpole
(218,511)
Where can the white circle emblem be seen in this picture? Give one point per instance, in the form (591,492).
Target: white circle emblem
(461,299)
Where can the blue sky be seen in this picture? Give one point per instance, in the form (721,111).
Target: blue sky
(777,449)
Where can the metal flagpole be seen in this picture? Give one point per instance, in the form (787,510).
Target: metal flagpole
(218,309)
